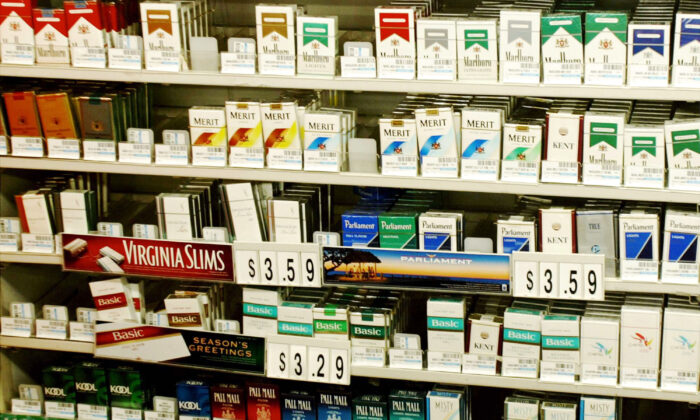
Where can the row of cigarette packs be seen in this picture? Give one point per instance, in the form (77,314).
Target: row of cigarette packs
(75,111)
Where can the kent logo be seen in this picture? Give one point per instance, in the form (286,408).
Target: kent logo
(85,387)
(54,392)
(119,390)
(188,405)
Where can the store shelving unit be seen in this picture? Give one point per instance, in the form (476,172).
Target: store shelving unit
(351,178)
(30,258)
(340,83)
(417,375)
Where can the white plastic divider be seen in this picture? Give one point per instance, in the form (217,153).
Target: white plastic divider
(277,264)
(30,258)
(350,84)
(308,359)
(357,179)
(558,276)
(47,344)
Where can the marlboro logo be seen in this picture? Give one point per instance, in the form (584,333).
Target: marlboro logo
(116,300)
(159,19)
(394,24)
(274,23)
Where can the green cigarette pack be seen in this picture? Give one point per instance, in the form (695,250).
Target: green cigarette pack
(369,407)
(91,383)
(127,388)
(398,230)
(59,384)
(406,405)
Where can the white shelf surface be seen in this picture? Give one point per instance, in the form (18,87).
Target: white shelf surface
(46,344)
(339,83)
(616,285)
(520,383)
(347,178)
(30,258)
(416,375)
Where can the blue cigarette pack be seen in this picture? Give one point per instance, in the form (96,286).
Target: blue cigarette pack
(193,398)
(334,405)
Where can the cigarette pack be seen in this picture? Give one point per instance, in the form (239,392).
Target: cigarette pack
(227,402)
(517,408)
(446,324)
(594,408)
(437,142)
(603,135)
(85,24)
(263,401)
(127,388)
(161,30)
(55,312)
(445,405)
(561,339)
(275,35)
(298,405)
(22,310)
(317,44)
(558,230)
(683,143)
(481,133)
(606,48)
(16,32)
(396,42)
(399,146)
(334,404)
(244,127)
(295,318)
(515,234)
(406,405)
(260,311)
(681,236)
(324,145)
(56,115)
(193,399)
(639,246)
(522,142)
(596,233)
(398,230)
(113,300)
(564,135)
(244,214)
(186,312)
(51,36)
(91,384)
(644,146)
(680,363)
(640,345)
(437,48)
(649,54)
(522,330)
(520,46)
(562,49)
(22,114)
(207,126)
(281,131)
(369,407)
(440,231)
(686,51)
(477,50)
(59,384)
(485,334)
(370,328)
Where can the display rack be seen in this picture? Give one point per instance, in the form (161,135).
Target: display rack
(46,344)
(349,84)
(357,179)
(30,258)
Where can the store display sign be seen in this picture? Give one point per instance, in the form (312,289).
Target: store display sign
(207,349)
(414,269)
(148,257)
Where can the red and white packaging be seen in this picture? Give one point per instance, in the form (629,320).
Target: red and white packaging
(16,32)
(113,300)
(137,296)
(113,22)
(86,34)
(51,36)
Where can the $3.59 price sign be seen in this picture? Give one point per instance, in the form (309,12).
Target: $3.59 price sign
(308,359)
(559,276)
(276,264)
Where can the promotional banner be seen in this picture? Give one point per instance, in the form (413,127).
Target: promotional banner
(415,269)
(190,348)
(147,257)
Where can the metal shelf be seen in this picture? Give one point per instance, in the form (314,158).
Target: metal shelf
(520,383)
(347,178)
(616,285)
(416,375)
(30,258)
(46,344)
(339,83)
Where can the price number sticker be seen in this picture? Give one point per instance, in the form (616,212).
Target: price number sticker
(445,361)
(684,179)
(559,172)
(172,154)
(27,146)
(63,148)
(480,364)
(520,171)
(559,276)
(208,156)
(100,150)
(278,264)
(358,67)
(304,359)
(405,359)
(564,372)
(135,152)
(92,57)
(609,174)
(480,169)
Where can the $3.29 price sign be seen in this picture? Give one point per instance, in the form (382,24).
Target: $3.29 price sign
(308,359)
(559,276)
(275,264)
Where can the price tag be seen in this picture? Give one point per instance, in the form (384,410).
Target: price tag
(607,74)
(9,242)
(81,331)
(100,150)
(158,415)
(639,270)
(163,60)
(593,282)
(445,361)
(644,177)
(208,156)
(63,148)
(679,380)
(526,276)
(311,269)
(89,57)
(277,360)
(684,179)
(42,244)
(399,165)
(48,328)
(559,172)
(340,367)
(247,157)
(276,64)
(172,154)
(358,67)
(27,146)
(284,158)
(268,266)
(247,267)
(647,74)
(570,277)
(638,377)
(93,412)
(520,368)
(520,171)
(319,160)
(609,174)
(298,368)
(479,364)
(439,167)
(125,58)
(17,327)
(4,149)
(60,410)
(17,53)
(29,407)
(288,263)
(480,169)
(562,73)
(437,69)
(564,372)
(319,364)
(405,359)
(679,272)
(368,356)
(549,280)
(237,63)
(135,153)
(396,67)
(119,413)
(599,374)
